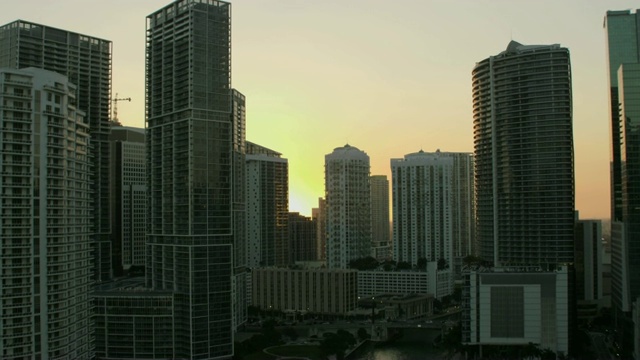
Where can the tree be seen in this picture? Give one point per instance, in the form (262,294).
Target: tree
(403,265)
(422,264)
(442,264)
(365,263)
(389,265)
(290,332)
(336,343)
(363,334)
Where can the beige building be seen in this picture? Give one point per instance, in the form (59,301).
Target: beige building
(320,291)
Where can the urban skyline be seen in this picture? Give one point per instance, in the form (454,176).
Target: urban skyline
(398,69)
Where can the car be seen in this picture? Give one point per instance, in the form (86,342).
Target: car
(429,321)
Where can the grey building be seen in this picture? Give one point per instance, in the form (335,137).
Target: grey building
(516,306)
(380,229)
(302,238)
(523,144)
(45,218)
(192,144)
(267,205)
(348,206)
(623,37)
(319,214)
(86,61)
(128,198)
(588,268)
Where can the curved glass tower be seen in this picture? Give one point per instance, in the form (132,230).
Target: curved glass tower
(523,139)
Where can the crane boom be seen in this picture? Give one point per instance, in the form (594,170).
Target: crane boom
(114,117)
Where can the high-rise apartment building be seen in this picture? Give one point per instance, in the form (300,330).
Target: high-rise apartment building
(86,62)
(319,214)
(623,45)
(267,205)
(45,212)
(380,232)
(588,268)
(302,238)
(193,142)
(464,217)
(422,208)
(523,141)
(128,197)
(348,202)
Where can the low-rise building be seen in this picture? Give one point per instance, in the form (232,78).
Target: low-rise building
(319,291)
(516,306)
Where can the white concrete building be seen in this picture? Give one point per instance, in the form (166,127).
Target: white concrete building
(45,218)
(348,206)
(516,306)
(423,211)
(267,207)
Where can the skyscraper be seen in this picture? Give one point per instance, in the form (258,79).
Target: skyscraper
(302,238)
(623,44)
(348,204)
(129,197)
(45,218)
(320,216)
(432,206)
(192,141)
(380,232)
(623,37)
(423,211)
(523,140)
(267,201)
(86,62)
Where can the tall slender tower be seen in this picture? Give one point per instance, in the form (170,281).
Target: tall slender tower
(192,143)
(86,62)
(623,50)
(348,202)
(45,219)
(267,201)
(380,233)
(523,138)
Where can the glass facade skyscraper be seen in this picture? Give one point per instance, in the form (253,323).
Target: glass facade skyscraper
(193,144)
(623,46)
(523,141)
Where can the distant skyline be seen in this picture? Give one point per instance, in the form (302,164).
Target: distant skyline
(388,78)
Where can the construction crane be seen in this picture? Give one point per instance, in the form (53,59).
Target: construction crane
(114,117)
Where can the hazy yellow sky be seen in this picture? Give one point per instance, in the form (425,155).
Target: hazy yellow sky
(389,77)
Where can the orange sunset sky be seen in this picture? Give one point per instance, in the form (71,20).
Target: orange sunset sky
(389,77)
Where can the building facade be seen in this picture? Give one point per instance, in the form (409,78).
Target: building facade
(623,43)
(193,145)
(318,291)
(45,227)
(348,206)
(423,208)
(128,198)
(516,306)
(302,238)
(588,269)
(86,62)
(523,143)
(319,214)
(267,205)
(380,230)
